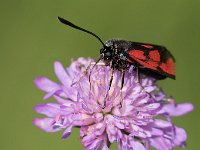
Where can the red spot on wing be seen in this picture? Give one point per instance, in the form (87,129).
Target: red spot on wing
(148,64)
(147,46)
(152,63)
(154,55)
(137,54)
(139,57)
(168,66)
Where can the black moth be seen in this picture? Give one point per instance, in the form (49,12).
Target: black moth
(150,59)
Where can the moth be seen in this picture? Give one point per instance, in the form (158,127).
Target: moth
(150,59)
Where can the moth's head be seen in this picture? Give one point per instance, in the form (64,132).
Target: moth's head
(107,51)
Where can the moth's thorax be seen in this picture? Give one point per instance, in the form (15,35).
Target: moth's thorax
(114,54)
(118,44)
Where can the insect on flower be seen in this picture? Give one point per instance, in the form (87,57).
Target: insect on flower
(150,59)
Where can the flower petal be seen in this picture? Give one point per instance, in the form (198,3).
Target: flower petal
(49,109)
(176,109)
(138,146)
(45,124)
(180,137)
(48,95)
(160,143)
(61,73)
(46,85)
(162,123)
(67,132)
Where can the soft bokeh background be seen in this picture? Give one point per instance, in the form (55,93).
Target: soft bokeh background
(31,39)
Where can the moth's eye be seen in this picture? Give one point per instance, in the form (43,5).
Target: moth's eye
(108,54)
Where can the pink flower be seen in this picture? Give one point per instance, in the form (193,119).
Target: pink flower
(132,118)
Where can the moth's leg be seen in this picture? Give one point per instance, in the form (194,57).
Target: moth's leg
(98,64)
(110,83)
(122,79)
(111,78)
(95,64)
(85,73)
(122,84)
(87,69)
(137,78)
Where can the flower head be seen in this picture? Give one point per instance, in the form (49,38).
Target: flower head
(136,117)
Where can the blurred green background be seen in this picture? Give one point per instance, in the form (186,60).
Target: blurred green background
(31,39)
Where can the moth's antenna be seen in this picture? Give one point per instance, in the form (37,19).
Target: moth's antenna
(66,22)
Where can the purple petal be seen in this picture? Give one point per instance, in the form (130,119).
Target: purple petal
(176,109)
(162,123)
(49,109)
(154,132)
(138,131)
(94,144)
(138,146)
(88,121)
(119,124)
(100,128)
(180,137)
(61,100)
(61,73)
(87,139)
(45,124)
(48,95)
(99,143)
(103,146)
(161,143)
(151,106)
(46,85)
(67,132)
